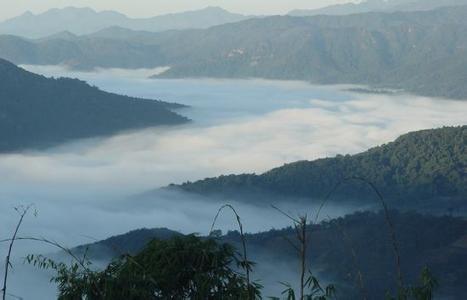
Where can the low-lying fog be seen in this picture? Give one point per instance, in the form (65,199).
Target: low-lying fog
(80,189)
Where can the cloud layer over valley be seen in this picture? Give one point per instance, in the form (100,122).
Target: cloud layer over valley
(239,126)
(82,190)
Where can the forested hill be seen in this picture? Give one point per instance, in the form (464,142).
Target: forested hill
(420,165)
(36,111)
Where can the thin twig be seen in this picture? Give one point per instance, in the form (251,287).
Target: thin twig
(296,221)
(16,297)
(303,248)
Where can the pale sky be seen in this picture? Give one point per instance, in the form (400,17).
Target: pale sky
(147,8)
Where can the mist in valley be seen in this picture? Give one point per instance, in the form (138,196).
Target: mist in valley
(91,189)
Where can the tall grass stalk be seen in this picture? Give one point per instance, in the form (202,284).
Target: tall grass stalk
(22,211)
(246,263)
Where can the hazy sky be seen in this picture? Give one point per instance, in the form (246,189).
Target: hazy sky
(141,8)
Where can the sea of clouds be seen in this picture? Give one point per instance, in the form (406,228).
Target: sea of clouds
(82,190)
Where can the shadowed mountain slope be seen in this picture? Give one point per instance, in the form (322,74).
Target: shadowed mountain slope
(36,111)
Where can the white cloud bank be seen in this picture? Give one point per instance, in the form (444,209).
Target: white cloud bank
(155,157)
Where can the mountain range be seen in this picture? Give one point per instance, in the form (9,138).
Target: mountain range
(423,170)
(420,52)
(377,6)
(37,112)
(86,20)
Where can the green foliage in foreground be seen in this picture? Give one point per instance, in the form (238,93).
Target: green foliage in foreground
(180,268)
(315,291)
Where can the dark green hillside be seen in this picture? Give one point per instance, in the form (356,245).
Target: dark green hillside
(428,164)
(36,111)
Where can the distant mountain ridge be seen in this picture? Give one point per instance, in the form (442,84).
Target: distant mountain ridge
(377,6)
(81,21)
(417,170)
(38,112)
(420,52)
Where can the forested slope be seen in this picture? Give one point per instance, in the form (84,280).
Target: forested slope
(36,111)
(423,165)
